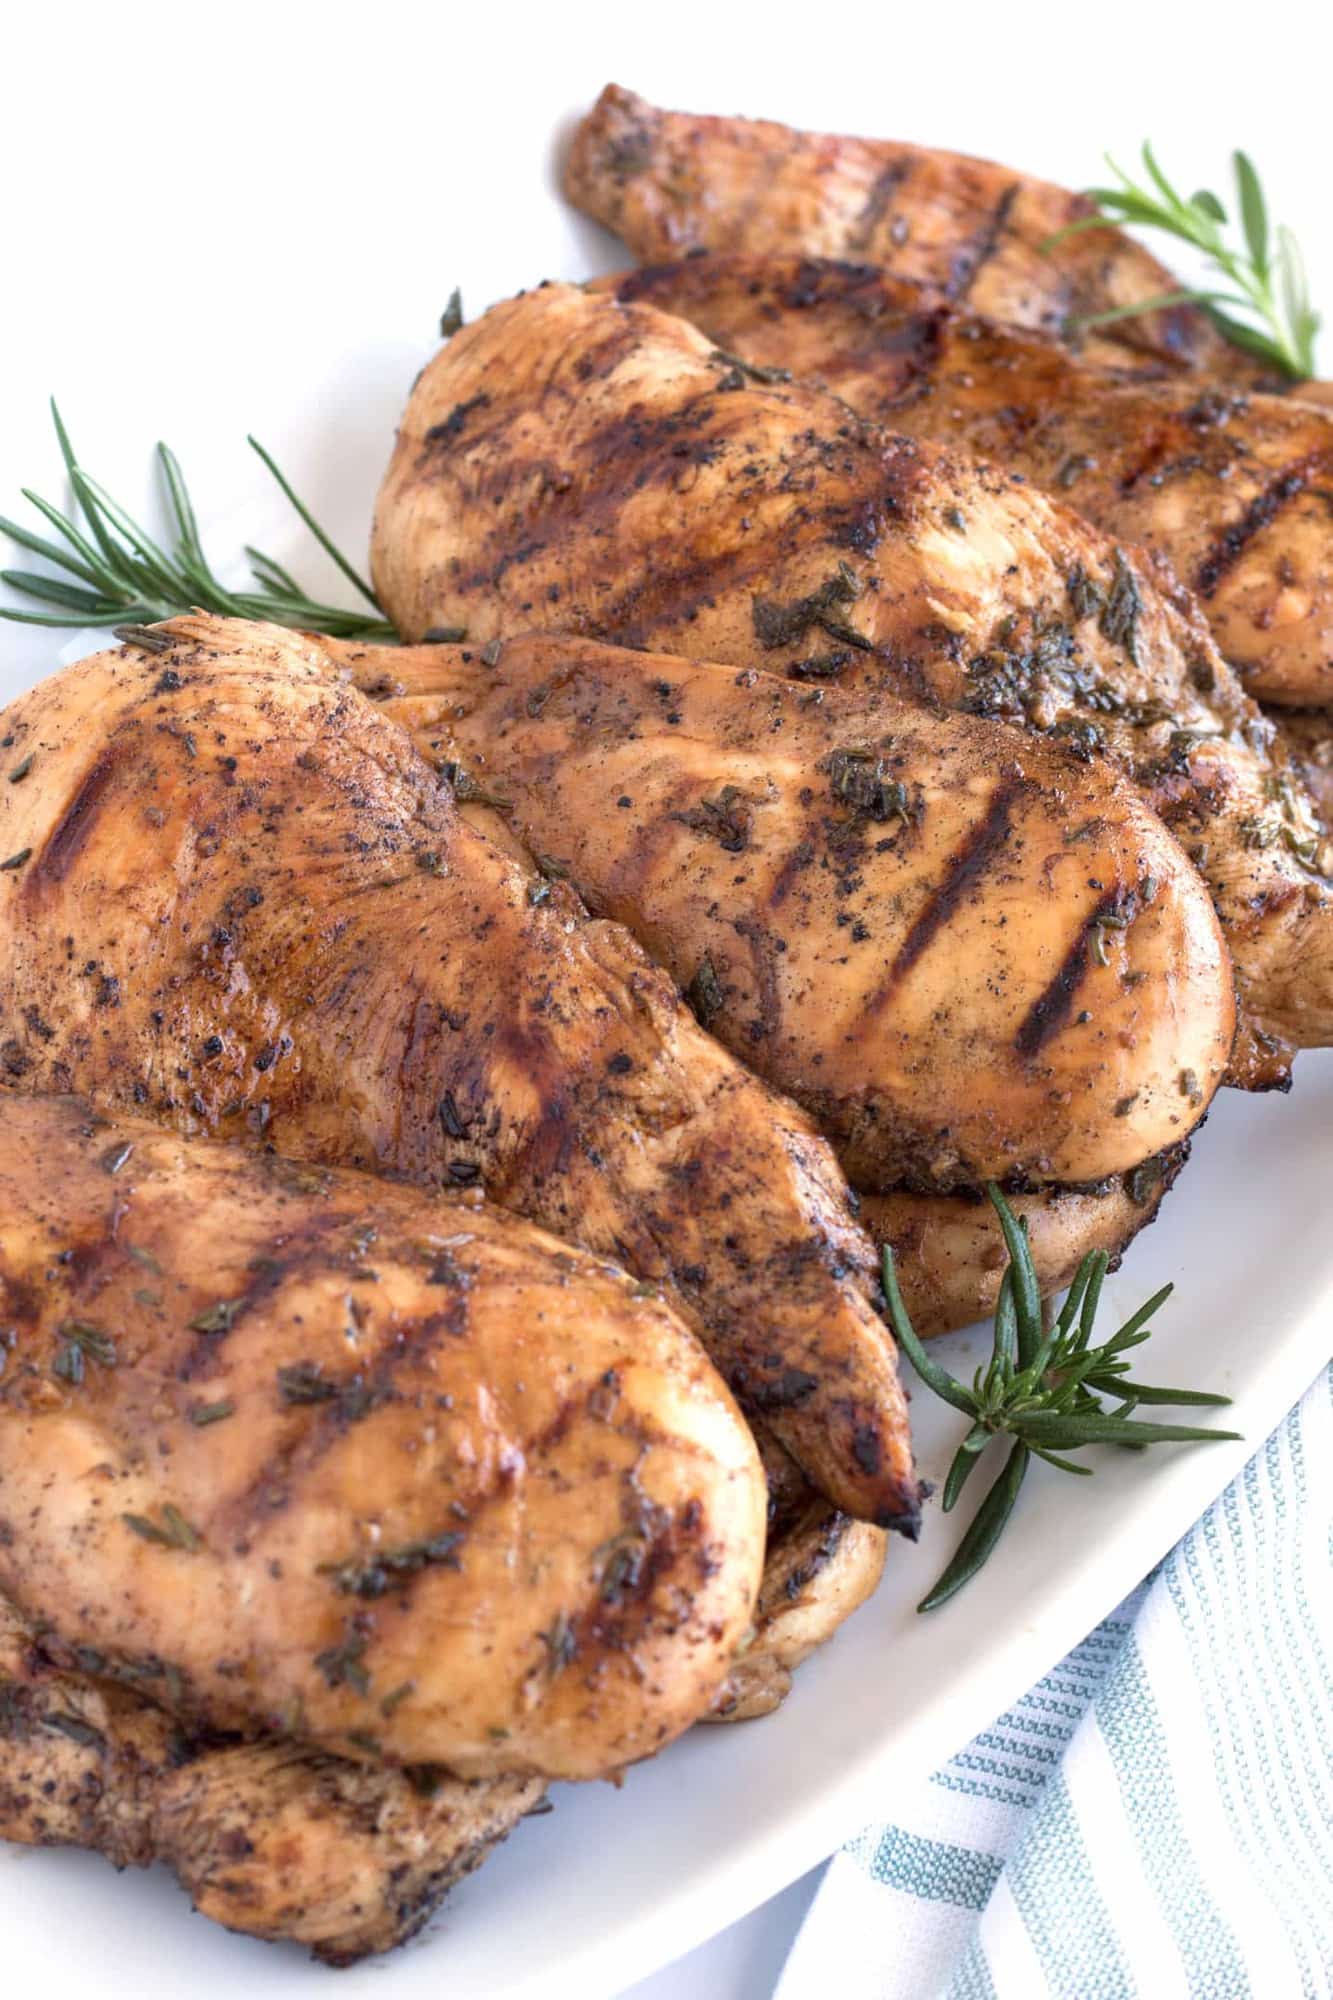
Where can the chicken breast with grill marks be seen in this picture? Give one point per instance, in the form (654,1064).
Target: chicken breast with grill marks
(948,1247)
(668,181)
(600,468)
(305,1452)
(815,867)
(268,1838)
(1233,489)
(280,929)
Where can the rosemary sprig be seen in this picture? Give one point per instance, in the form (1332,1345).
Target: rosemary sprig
(1265,273)
(114,572)
(1042,1389)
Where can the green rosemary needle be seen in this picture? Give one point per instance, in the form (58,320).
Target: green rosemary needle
(1264,274)
(1042,1389)
(113,572)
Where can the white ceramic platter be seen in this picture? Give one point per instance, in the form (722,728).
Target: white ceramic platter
(250,218)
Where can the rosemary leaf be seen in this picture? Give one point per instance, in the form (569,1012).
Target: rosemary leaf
(1264,273)
(1050,1402)
(931,1373)
(1050,1427)
(965,1460)
(329,548)
(116,573)
(986,1528)
(1023,1278)
(1140,1392)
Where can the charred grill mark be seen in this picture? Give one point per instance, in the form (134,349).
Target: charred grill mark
(863,1430)
(974,256)
(306,1253)
(963,870)
(630,1598)
(820,280)
(668,599)
(914,342)
(661,448)
(72,830)
(1262,511)
(785,1390)
(876,205)
(1147,463)
(797,861)
(451,427)
(601,359)
(817,1540)
(1051,1009)
(645,283)
(316,1427)
(764,961)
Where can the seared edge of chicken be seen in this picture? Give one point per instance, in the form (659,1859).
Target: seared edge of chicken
(821,1567)
(266,1838)
(283,930)
(950,1252)
(1306,735)
(812,869)
(668,182)
(599,468)
(1231,488)
(300,1451)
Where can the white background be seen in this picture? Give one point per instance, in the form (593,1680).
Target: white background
(249,217)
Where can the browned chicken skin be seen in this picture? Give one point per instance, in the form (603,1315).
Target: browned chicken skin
(599,468)
(268,1838)
(668,182)
(804,891)
(279,927)
(306,1452)
(1233,489)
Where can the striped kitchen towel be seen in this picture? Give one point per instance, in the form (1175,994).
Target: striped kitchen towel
(1155,1819)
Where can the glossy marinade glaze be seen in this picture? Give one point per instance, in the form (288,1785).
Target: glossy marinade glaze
(246,902)
(600,469)
(667,182)
(298,1451)
(1234,489)
(816,868)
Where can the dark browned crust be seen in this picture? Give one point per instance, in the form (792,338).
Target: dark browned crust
(671,182)
(268,1839)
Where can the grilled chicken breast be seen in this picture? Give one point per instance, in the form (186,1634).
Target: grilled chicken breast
(948,1247)
(302,1451)
(1232,489)
(597,467)
(821,1567)
(814,866)
(951,1255)
(667,182)
(1306,735)
(236,894)
(268,1838)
